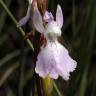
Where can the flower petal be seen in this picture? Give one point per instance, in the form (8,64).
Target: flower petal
(43,64)
(59,16)
(48,16)
(37,19)
(64,63)
(54,74)
(54,60)
(24,20)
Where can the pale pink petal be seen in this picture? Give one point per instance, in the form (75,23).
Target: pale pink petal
(54,60)
(59,16)
(56,52)
(37,20)
(45,68)
(54,73)
(40,67)
(65,64)
(48,16)
(24,20)
(70,64)
(45,63)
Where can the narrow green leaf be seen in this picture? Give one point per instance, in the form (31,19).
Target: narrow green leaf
(57,90)
(8,73)
(10,56)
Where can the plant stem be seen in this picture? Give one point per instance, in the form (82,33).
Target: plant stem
(21,70)
(14,20)
(56,88)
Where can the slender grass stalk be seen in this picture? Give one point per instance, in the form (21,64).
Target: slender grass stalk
(21,70)
(10,56)
(14,20)
(8,72)
(57,90)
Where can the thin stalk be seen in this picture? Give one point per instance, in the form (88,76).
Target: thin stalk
(14,20)
(7,73)
(10,56)
(21,70)
(57,90)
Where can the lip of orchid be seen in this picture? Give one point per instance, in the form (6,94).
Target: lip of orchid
(54,60)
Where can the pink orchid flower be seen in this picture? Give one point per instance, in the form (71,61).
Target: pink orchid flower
(53,60)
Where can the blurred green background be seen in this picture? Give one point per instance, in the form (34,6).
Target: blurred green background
(78,35)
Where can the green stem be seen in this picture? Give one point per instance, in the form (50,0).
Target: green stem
(14,20)
(56,88)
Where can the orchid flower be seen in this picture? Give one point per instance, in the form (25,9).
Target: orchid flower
(53,59)
(26,18)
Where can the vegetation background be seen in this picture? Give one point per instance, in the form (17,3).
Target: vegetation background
(78,35)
